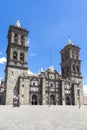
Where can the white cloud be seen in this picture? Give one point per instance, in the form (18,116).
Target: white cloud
(2,60)
(32,54)
(85,89)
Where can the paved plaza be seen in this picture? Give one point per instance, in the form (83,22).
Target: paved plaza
(43,118)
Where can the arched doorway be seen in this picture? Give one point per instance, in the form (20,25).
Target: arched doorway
(52,100)
(34,100)
(68,100)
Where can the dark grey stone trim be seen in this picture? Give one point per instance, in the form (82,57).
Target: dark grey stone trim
(17,67)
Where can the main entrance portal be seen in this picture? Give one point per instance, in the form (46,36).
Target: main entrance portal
(34,100)
(52,100)
(68,101)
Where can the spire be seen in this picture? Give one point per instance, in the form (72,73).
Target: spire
(18,23)
(69,41)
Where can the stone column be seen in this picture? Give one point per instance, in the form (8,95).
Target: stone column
(26,91)
(43,91)
(29,91)
(18,57)
(11,53)
(12,37)
(25,57)
(75,94)
(19,39)
(70,53)
(25,41)
(81,93)
(81,100)
(63,92)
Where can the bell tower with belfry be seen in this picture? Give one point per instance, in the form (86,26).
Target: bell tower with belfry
(16,59)
(71,70)
(70,61)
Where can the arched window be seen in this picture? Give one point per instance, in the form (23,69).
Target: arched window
(15,38)
(22,40)
(22,56)
(51,85)
(77,68)
(73,67)
(15,55)
(34,84)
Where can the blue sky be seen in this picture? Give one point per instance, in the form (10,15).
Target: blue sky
(51,23)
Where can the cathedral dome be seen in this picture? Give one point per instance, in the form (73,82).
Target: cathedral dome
(30,73)
(51,68)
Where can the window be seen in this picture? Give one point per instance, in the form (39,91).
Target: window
(15,55)
(22,56)
(22,37)
(78,68)
(77,57)
(33,83)
(73,67)
(51,85)
(15,37)
(22,40)
(51,77)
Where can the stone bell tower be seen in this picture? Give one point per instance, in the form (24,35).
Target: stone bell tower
(16,59)
(70,61)
(71,69)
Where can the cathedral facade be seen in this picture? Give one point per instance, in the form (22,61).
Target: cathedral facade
(48,87)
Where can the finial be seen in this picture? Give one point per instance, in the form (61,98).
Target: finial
(69,41)
(18,23)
